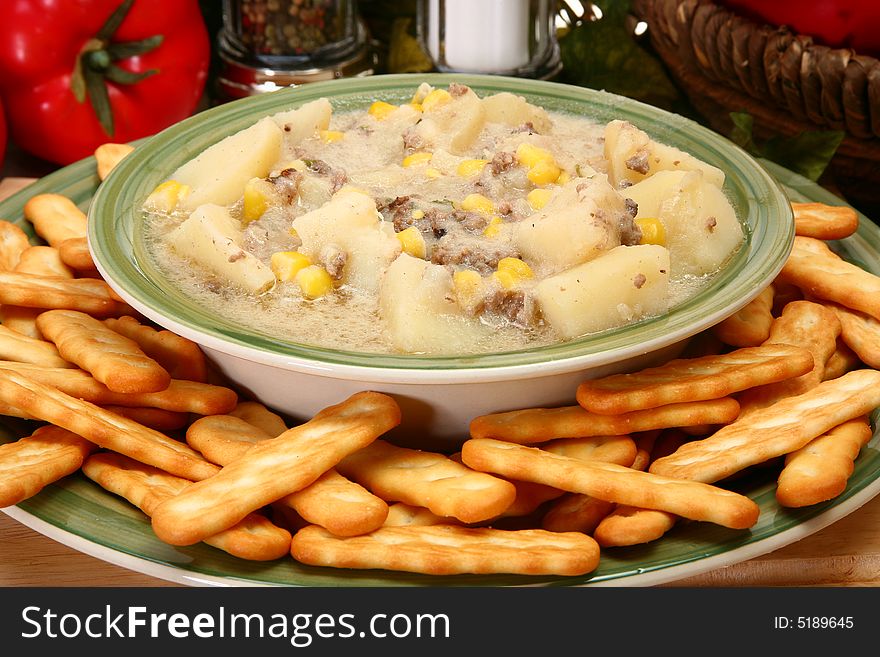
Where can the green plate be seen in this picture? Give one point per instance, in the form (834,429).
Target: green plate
(78,513)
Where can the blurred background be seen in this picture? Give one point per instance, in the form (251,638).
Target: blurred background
(794,82)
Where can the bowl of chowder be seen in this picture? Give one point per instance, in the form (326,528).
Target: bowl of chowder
(468,244)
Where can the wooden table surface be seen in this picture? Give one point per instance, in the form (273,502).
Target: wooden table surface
(846,553)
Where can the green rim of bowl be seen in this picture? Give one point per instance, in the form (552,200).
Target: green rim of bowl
(116,235)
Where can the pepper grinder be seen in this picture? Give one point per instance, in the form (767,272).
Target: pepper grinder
(264,45)
(501,37)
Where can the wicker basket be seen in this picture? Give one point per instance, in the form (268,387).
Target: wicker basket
(725,63)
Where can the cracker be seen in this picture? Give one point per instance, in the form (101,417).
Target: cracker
(341,506)
(255,413)
(88,295)
(406,515)
(802,324)
(255,538)
(784,427)
(75,253)
(21,320)
(108,156)
(750,325)
(43,261)
(821,273)
(621,450)
(824,222)
(694,379)
(102,427)
(181,357)
(111,358)
(13,242)
(428,479)
(55,218)
(31,463)
(538,425)
(450,550)
(179,396)
(861,333)
(645,442)
(843,360)
(22,348)
(629,525)
(576,513)
(611,482)
(275,468)
(819,470)
(785,294)
(155,418)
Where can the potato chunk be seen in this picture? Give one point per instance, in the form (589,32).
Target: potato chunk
(633,156)
(618,287)
(418,309)
(508,108)
(212,237)
(452,125)
(700,223)
(580,221)
(219,173)
(350,223)
(305,121)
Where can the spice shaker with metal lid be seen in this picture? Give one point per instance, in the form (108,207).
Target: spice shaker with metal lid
(267,44)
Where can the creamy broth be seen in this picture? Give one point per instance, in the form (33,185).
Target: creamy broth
(444,208)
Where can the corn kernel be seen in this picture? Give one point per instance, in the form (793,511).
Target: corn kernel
(507,279)
(412,242)
(417,158)
(538,198)
(477,203)
(529,155)
(417,107)
(470,167)
(166,196)
(255,201)
(516,267)
(466,284)
(563,178)
(543,173)
(314,281)
(494,227)
(433,173)
(287,264)
(653,231)
(331,136)
(435,99)
(418,214)
(380,109)
(293,233)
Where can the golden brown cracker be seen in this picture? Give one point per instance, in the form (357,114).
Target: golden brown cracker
(111,358)
(819,470)
(614,483)
(31,463)
(645,442)
(102,427)
(255,538)
(180,396)
(821,273)
(843,360)
(804,324)
(43,261)
(406,515)
(576,513)
(428,479)
(22,348)
(536,425)
(155,418)
(449,550)
(694,379)
(21,320)
(861,333)
(88,295)
(621,450)
(784,427)
(74,253)
(108,155)
(255,413)
(274,468)
(824,222)
(628,525)
(181,357)
(55,218)
(750,325)
(13,242)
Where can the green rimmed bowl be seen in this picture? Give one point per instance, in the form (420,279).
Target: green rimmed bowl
(439,395)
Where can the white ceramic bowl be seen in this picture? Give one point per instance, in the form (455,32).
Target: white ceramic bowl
(439,396)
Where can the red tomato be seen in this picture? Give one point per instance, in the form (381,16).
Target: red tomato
(2,134)
(43,43)
(836,23)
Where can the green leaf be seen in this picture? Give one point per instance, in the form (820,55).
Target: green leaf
(132,48)
(741,135)
(808,154)
(121,76)
(99,99)
(114,21)
(603,54)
